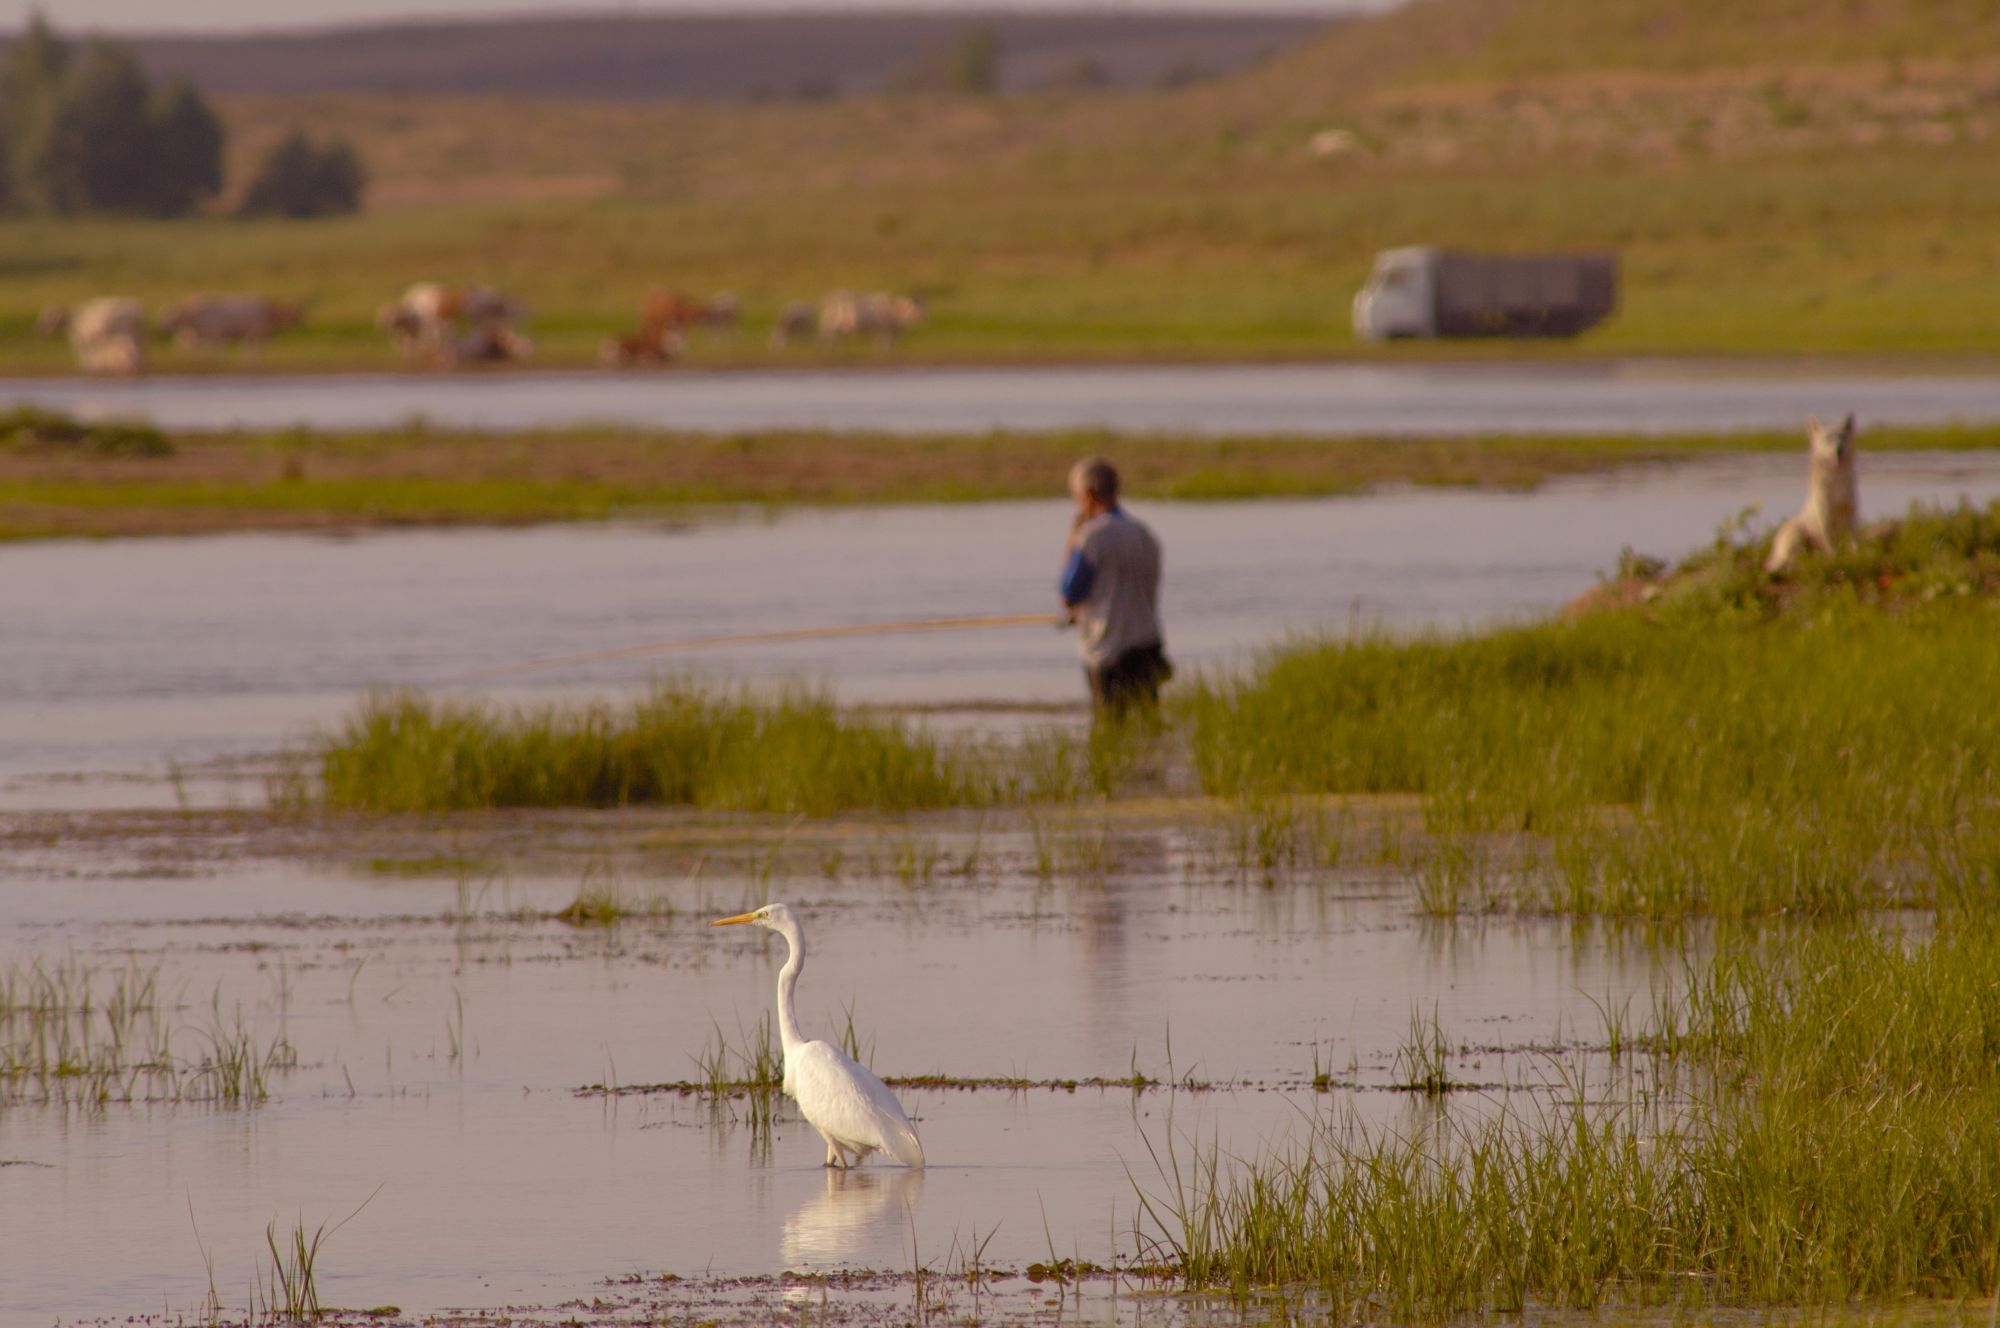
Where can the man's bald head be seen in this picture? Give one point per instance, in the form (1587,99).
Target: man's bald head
(1097,478)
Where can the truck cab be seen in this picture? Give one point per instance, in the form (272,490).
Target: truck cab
(1399,298)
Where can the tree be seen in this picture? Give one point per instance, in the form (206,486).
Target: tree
(102,136)
(86,132)
(28,81)
(187,150)
(35,65)
(973,62)
(969,63)
(299,179)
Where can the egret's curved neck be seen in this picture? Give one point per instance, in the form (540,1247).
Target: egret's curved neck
(788,978)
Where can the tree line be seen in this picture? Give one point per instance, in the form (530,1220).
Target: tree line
(82,130)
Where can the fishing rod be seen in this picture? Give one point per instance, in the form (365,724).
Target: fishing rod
(911,625)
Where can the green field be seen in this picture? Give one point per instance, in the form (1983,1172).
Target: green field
(1897,254)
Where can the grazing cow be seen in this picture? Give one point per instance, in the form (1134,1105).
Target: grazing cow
(720,312)
(654,343)
(796,322)
(451,325)
(843,316)
(490,342)
(418,318)
(671,308)
(1833,496)
(216,320)
(107,334)
(665,316)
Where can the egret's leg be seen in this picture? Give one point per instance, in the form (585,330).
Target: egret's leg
(834,1157)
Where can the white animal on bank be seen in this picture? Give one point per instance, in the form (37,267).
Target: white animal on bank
(217,320)
(852,1109)
(107,334)
(1833,496)
(844,315)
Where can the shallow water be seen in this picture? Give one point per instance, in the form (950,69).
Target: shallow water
(1386,399)
(495,1183)
(123,654)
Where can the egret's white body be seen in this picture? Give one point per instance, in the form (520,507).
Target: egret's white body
(853,1110)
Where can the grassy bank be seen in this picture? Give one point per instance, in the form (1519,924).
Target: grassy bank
(1829,1131)
(1710,755)
(298,480)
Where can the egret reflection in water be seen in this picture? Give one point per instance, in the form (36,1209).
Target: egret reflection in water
(860,1216)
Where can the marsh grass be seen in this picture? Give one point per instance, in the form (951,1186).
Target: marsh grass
(681,743)
(75,1034)
(1737,752)
(291,1280)
(1423,1062)
(1271,837)
(750,1070)
(677,744)
(1831,1134)
(288,1289)
(30,431)
(604,904)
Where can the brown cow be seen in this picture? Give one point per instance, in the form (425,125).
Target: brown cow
(451,325)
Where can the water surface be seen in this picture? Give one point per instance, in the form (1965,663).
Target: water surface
(440,1053)
(1393,400)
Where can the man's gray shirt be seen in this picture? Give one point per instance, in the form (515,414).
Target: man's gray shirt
(1113,584)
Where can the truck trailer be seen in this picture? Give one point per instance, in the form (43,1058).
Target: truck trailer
(1427,292)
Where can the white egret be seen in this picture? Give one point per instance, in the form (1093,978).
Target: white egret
(853,1110)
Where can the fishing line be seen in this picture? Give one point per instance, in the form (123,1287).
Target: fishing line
(908,626)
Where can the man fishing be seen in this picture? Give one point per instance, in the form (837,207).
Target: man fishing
(1111,586)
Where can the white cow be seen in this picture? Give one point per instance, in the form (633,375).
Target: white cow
(107,334)
(844,315)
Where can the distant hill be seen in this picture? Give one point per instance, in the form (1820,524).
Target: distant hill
(634,58)
(1432,40)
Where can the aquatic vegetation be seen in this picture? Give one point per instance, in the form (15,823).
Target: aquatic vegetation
(1822,760)
(1268,836)
(33,431)
(676,744)
(291,1285)
(603,905)
(72,1033)
(1422,1063)
(1830,1132)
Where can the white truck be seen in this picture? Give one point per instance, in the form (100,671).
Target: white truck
(1427,292)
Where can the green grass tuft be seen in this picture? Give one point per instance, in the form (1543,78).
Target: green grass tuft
(678,744)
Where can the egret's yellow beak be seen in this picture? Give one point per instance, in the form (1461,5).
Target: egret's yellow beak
(740,917)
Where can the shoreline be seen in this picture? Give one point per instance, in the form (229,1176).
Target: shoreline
(304,481)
